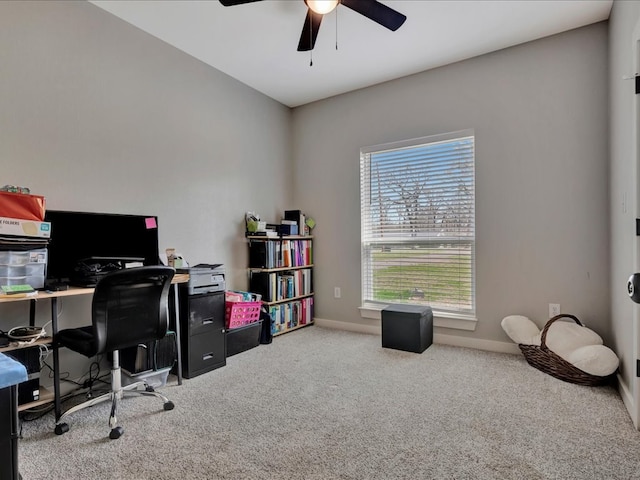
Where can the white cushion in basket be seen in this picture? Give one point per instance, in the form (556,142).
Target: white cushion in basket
(565,337)
(594,359)
(521,330)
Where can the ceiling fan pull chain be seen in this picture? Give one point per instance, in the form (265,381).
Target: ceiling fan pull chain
(336,29)
(311,42)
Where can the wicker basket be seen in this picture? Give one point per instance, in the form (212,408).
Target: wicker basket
(540,357)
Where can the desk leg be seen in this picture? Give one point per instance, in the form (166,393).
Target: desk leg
(56,360)
(178,341)
(32,313)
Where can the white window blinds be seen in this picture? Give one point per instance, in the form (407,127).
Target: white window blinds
(418,222)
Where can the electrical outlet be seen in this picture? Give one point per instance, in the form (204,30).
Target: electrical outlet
(337,293)
(554,309)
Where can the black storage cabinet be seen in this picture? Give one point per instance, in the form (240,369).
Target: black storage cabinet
(9,433)
(243,338)
(202,332)
(407,327)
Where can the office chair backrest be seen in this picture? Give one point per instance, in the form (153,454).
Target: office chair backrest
(130,307)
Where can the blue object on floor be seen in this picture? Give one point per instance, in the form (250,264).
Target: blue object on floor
(12,372)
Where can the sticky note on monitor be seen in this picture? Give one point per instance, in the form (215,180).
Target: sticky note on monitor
(150,222)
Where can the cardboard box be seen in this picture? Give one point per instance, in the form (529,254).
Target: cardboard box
(22,206)
(24,228)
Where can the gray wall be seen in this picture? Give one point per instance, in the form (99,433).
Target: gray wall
(624,61)
(97,115)
(539,111)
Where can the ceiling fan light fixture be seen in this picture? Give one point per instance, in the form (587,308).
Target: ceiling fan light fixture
(322,6)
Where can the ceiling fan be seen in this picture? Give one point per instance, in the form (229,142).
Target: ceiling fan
(316,9)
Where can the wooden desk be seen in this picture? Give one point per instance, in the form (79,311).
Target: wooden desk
(53,297)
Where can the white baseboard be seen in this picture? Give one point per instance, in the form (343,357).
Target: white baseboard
(469,342)
(349,326)
(477,343)
(627,399)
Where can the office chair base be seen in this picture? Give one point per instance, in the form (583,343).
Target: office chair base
(61,428)
(115,397)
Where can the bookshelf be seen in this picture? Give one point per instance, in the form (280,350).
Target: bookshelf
(281,270)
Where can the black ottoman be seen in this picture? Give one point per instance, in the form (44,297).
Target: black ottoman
(407,327)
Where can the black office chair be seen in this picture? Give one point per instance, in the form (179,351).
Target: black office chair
(129,307)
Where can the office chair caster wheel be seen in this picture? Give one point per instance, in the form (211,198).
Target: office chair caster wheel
(169,405)
(61,428)
(116,433)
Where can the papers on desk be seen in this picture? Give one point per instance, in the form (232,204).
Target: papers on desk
(18,291)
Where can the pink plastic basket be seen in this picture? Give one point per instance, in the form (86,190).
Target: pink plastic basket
(238,314)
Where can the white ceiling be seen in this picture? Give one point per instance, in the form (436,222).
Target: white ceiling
(256,43)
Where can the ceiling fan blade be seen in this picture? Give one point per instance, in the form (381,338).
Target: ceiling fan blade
(378,12)
(231,3)
(309,31)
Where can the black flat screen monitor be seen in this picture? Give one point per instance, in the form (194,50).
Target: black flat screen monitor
(77,236)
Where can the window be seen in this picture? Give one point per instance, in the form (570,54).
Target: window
(418,222)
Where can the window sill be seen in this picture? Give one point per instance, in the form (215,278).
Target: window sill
(455,321)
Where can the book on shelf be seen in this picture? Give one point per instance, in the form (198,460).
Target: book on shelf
(263,233)
(287,285)
(307,311)
(276,286)
(258,255)
(300,253)
(263,283)
(286,316)
(298,283)
(286,253)
(288,229)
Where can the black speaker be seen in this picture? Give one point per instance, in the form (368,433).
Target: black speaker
(28,391)
(154,355)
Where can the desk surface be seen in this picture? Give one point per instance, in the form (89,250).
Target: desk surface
(73,291)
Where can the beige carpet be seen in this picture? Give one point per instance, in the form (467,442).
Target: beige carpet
(327,404)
